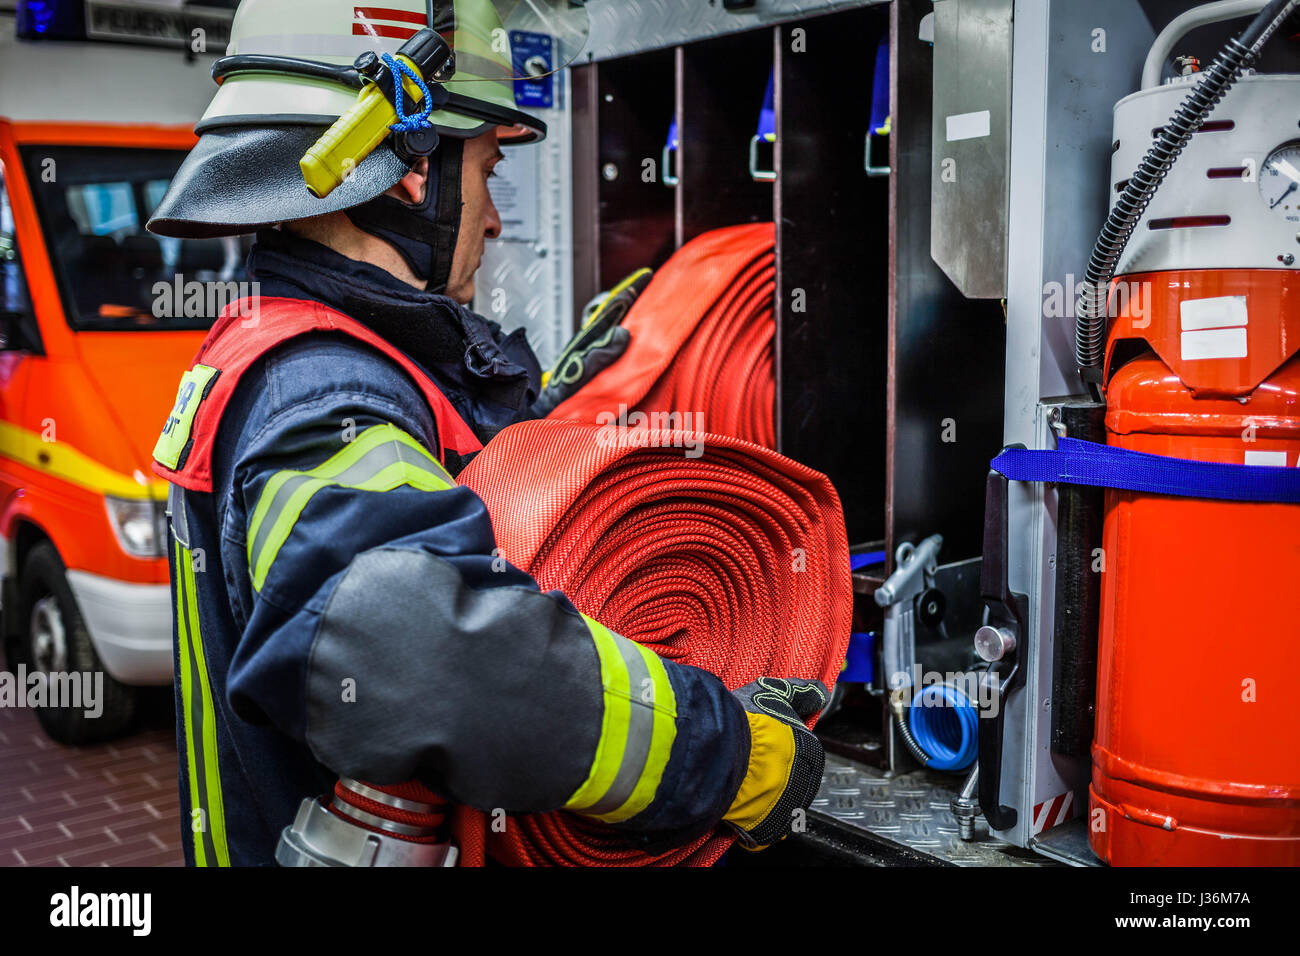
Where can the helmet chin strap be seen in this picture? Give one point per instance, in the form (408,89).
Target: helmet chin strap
(425,233)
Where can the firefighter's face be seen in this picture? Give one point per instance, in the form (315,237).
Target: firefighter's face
(479,219)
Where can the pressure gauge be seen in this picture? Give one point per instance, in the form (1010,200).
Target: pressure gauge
(1279,181)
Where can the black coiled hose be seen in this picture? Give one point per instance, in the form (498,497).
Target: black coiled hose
(1239,53)
(905,731)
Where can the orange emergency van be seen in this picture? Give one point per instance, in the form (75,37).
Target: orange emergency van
(92,342)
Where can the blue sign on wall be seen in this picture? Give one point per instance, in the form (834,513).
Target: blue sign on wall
(533,53)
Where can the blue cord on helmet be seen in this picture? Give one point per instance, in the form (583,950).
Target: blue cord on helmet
(407,122)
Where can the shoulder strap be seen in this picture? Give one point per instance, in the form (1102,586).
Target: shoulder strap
(239,337)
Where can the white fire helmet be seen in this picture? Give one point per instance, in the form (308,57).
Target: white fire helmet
(288,76)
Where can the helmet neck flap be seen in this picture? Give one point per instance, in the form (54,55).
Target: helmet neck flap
(424,233)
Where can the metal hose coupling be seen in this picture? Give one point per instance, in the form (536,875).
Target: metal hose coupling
(367,825)
(965,805)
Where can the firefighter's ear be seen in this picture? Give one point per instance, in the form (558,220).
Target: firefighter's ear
(410,188)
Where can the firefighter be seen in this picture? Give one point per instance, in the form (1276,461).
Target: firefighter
(340,609)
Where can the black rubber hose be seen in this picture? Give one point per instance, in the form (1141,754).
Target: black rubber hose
(905,732)
(1237,54)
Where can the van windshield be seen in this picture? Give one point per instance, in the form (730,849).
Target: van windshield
(112,273)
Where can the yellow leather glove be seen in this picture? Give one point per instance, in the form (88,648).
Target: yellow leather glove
(598,345)
(785,759)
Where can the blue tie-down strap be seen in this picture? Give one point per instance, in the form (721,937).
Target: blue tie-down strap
(766,134)
(880,89)
(1076,462)
(767,115)
(866,559)
(860,659)
(670,147)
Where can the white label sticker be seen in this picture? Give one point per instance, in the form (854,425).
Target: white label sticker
(1222,312)
(968,125)
(514,193)
(1214,344)
(1277,458)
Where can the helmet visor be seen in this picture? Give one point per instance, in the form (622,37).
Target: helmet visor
(506,40)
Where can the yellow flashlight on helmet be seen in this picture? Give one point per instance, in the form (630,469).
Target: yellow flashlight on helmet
(357,133)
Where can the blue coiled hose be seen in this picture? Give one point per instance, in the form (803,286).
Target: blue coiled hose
(943,725)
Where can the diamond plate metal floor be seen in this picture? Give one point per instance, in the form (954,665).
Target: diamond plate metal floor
(911,810)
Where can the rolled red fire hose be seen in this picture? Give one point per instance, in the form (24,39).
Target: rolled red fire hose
(713,551)
(702,335)
(710,550)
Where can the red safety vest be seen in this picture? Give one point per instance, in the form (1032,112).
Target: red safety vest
(239,338)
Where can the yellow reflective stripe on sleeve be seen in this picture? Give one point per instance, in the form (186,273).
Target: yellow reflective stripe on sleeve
(613,725)
(664,731)
(199,715)
(382,458)
(637,730)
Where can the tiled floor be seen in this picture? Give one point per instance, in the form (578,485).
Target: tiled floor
(107,805)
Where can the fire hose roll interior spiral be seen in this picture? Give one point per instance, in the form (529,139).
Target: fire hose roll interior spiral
(735,561)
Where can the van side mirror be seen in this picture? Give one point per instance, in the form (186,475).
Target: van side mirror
(19,332)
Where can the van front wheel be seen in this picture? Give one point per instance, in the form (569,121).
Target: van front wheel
(76,709)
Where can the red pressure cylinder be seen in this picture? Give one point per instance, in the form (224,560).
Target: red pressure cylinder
(1196,755)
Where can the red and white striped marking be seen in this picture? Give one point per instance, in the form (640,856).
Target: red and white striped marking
(387,22)
(1053,812)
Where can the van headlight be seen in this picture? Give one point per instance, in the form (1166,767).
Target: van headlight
(140,525)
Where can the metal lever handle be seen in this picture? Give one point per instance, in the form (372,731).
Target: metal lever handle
(1008,611)
(759,175)
(873,170)
(913,567)
(669,178)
